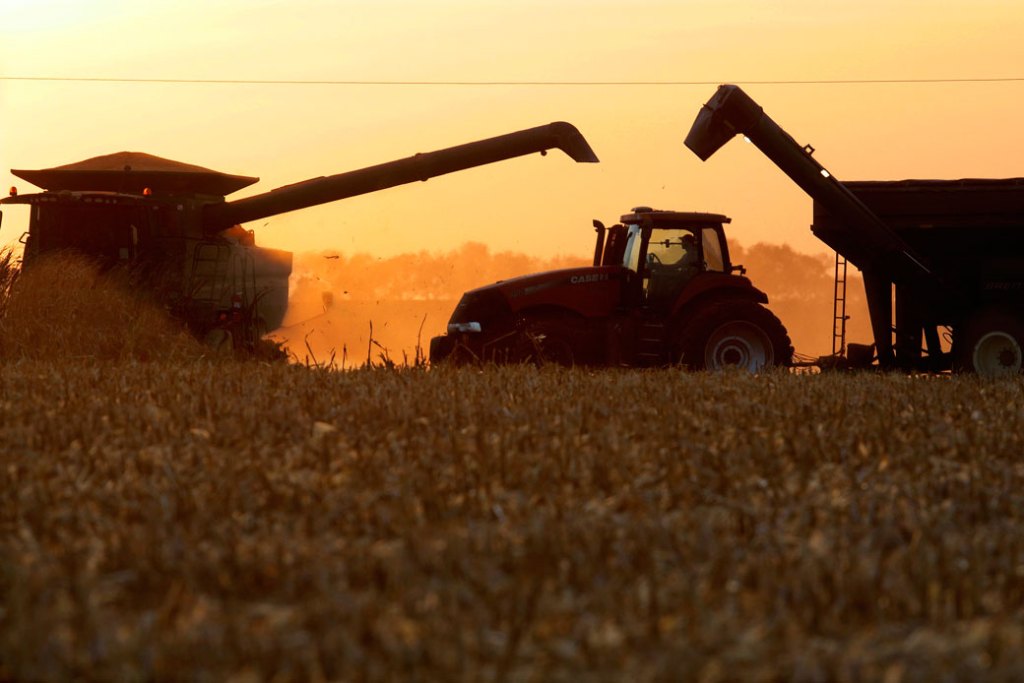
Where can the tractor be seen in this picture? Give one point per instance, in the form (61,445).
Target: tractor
(662,290)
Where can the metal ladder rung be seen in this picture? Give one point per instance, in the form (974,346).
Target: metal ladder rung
(839,316)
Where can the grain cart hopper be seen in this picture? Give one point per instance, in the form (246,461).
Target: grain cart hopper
(662,290)
(171,226)
(954,250)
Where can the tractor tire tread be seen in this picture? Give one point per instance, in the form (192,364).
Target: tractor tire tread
(693,331)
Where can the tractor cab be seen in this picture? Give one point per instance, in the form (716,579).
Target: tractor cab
(666,250)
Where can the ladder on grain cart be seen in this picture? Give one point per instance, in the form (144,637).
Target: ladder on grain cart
(839,316)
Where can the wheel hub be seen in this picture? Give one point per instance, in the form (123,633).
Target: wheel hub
(738,344)
(997,354)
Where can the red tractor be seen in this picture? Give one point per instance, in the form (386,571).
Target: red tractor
(662,291)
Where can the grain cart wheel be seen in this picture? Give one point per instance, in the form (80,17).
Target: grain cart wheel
(733,334)
(545,340)
(992,345)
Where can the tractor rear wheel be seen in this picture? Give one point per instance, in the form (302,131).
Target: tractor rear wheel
(992,345)
(732,334)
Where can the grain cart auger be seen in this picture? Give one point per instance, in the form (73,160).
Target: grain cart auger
(170,224)
(930,291)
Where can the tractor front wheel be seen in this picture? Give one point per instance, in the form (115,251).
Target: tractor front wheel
(732,334)
(545,341)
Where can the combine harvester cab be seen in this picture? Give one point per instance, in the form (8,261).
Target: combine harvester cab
(950,253)
(171,226)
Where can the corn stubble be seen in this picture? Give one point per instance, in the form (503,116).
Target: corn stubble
(237,520)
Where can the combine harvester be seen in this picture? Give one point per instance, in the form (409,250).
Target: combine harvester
(170,226)
(953,251)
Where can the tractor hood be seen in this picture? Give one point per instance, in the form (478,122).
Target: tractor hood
(586,291)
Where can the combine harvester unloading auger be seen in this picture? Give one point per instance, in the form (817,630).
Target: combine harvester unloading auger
(953,249)
(170,225)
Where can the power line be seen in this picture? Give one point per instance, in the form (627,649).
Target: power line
(425,83)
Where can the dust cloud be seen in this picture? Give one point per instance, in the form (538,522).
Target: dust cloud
(408,298)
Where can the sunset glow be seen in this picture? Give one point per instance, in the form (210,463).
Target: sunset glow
(288,132)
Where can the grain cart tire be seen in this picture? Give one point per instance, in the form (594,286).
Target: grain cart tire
(733,334)
(992,345)
(544,341)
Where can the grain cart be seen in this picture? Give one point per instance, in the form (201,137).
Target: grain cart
(170,225)
(662,289)
(953,250)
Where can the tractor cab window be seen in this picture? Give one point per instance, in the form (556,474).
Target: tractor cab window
(631,257)
(615,246)
(713,259)
(673,258)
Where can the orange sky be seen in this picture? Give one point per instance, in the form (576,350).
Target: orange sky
(541,206)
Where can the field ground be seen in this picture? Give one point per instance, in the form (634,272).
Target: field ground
(232,520)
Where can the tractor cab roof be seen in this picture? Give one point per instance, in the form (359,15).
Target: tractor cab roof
(681,220)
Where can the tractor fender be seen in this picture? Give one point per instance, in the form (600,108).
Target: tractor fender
(709,287)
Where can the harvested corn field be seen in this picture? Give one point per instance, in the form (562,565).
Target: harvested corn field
(209,521)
